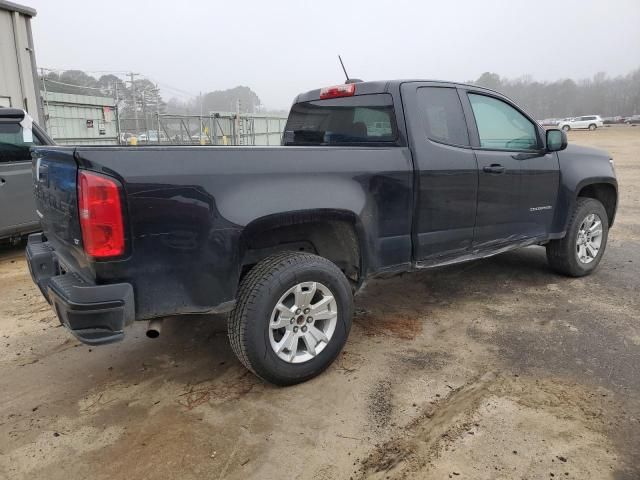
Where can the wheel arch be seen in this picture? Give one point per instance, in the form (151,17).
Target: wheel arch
(605,192)
(337,235)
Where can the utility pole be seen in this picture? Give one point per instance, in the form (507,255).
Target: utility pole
(157,92)
(201,106)
(46,101)
(239,126)
(144,113)
(115,94)
(135,101)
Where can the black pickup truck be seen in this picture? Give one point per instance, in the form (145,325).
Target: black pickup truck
(372,178)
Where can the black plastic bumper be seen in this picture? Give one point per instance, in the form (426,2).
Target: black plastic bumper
(95,314)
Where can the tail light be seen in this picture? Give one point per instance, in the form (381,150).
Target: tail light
(346,90)
(100,215)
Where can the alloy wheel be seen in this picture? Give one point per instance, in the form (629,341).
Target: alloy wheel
(589,238)
(303,322)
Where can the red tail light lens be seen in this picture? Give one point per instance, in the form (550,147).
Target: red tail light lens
(346,90)
(100,215)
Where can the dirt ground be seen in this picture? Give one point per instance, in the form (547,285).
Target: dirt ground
(495,369)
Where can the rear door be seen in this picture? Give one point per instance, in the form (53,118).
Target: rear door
(447,172)
(17,206)
(581,122)
(517,179)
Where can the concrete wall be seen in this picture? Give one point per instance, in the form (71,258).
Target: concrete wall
(18,77)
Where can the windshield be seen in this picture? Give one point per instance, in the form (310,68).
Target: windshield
(364,119)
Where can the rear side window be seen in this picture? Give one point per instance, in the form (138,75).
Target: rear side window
(13,147)
(443,115)
(364,119)
(500,126)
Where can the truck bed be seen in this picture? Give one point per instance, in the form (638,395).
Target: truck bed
(186,209)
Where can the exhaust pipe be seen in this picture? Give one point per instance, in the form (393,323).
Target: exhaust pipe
(154,328)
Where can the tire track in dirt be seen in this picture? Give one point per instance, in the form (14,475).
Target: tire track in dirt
(477,411)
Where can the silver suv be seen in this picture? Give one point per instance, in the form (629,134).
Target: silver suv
(590,122)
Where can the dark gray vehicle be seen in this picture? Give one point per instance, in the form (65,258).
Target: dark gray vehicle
(373,178)
(17,206)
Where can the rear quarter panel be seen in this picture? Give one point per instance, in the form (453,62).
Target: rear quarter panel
(188,207)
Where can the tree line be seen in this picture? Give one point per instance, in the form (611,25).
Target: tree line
(600,95)
(143,98)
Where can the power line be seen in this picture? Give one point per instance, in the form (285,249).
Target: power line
(163,85)
(169,87)
(82,70)
(75,85)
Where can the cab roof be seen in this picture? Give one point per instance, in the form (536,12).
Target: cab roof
(387,86)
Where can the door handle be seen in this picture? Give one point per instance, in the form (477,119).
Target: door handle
(493,168)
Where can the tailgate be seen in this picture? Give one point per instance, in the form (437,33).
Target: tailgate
(55,177)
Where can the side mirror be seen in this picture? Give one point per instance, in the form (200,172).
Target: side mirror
(556,140)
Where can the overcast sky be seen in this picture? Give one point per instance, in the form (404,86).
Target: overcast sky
(279,48)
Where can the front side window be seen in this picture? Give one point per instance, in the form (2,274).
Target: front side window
(13,147)
(502,127)
(444,117)
(367,119)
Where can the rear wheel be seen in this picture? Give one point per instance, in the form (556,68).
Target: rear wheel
(292,318)
(581,249)
(593,126)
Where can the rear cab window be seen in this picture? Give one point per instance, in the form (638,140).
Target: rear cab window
(357,120)
(443,115)
(14,144)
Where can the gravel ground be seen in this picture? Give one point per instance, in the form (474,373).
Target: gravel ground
(491,369)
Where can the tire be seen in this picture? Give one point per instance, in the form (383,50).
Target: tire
(250,324)
(562,254)
(592,126)
(566,128)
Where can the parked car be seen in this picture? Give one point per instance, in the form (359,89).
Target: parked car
(17,206)
(549,122)
(590,122)
(633,120)
(181,138)
(201,140)
(281,237)
(152,137)
(613,120)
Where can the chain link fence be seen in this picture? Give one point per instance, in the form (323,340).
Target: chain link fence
(225,128)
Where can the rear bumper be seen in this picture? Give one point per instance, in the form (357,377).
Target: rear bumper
(95,314)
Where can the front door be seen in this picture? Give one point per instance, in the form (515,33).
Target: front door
(513,169)
(447,172)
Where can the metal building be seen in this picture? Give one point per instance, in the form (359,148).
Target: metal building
(80,119)
(18,74)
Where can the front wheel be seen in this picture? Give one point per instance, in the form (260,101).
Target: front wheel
(566,128)
(292,318)
(581,249)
